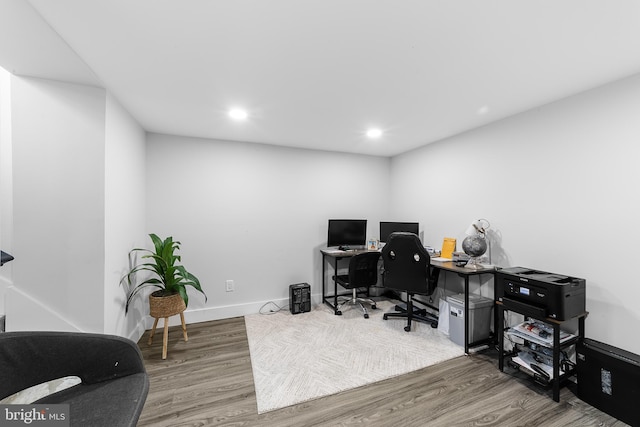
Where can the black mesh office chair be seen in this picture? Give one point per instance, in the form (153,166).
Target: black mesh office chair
(406,269)
(363,273)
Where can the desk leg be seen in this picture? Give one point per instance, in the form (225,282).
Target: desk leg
(466,314)
(335,286)
(326,299)
(324,273)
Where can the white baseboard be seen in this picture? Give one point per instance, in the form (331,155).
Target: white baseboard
(228,311)
(21,308)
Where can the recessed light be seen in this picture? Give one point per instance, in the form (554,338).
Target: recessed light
(483,110)
(238,114)
(374,133)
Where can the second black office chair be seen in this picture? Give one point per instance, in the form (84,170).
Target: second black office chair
(406,269)
(363,273)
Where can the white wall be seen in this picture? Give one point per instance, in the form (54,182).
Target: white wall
(78,176)
(558,186)
(125,215)
(58,207)
(6,192)
(255,214)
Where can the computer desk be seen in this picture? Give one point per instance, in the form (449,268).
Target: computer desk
(466,273)
(336,255)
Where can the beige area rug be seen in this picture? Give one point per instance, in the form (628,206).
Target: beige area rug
(300,357)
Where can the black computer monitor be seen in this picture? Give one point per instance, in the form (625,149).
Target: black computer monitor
(388,227)
(347,232)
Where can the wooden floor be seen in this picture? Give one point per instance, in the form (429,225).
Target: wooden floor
(208,381)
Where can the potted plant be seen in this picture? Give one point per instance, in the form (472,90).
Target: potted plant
(170,278)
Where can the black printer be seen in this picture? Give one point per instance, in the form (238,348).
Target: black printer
(540,294)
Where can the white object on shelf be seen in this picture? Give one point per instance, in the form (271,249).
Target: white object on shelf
(523,330)
(525,359)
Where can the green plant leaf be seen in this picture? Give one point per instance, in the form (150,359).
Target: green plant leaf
(183,293)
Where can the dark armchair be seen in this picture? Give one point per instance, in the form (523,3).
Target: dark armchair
(407,269)
(114,383)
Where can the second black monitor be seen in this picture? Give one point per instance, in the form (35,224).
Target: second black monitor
(388,227)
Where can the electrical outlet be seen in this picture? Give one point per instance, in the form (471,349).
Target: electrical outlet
(230,286)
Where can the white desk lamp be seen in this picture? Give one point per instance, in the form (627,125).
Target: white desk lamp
(475,244)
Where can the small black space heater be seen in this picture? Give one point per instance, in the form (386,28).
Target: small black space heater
(299,298)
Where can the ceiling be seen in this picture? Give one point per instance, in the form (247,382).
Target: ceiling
(318,73)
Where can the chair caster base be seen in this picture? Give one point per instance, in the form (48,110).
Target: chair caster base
(385,317)
(434,325)
(374,307)
(407,328)
(338,313)
(366,316)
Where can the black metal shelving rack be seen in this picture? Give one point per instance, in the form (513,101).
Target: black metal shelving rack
(558,377)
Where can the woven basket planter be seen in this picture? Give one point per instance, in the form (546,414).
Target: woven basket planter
(161,306)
